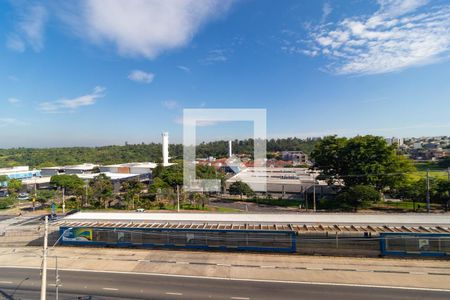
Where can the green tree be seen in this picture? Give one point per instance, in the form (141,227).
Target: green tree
(158,185)
(132,189)
(240,188)
(14,185)
(102,189)
(43,196)
(72,184)
(358,196)
(443,192)
(362,160)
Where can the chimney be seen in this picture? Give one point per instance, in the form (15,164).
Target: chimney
(165,148)
(230,149)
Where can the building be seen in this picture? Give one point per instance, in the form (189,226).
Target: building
(85,168)
(326,234)
(281,181)
(20,172)
(297,157)
(116,178)
(130,168)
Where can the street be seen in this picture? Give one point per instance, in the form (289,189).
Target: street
(18,283)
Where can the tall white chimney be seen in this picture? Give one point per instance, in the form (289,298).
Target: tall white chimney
(165,148)
(230,149)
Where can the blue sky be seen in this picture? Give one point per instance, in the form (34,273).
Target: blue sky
(98,72)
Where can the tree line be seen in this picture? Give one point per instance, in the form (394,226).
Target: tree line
(48,157)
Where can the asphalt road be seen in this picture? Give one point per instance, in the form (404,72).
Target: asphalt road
(16,283)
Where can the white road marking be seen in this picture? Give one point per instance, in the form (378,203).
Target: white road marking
(110,289)
(224,265)
(247,280)
(267,267)
(7,282)
(240,298)
(173,293)
(315,269)
(182,262)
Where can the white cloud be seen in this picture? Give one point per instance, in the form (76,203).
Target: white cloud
(326,10)
(29,29)
(216,56)
(184,68)
(170,104)
(142,27)
(401,34)
(13,101)
(65,105)
(141,76)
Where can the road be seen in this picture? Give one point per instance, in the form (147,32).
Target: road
(17,283)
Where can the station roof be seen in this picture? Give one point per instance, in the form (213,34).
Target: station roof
(375,223)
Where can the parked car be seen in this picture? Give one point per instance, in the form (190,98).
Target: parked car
(23,196)
(73,211)
(51,217)
(4,193)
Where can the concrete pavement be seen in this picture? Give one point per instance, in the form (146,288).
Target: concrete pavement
(342,270)
(25,283)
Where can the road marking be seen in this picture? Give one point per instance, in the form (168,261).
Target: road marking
(110,289)
(247,280)
(182,262)
(7,282)
(315,269)
(240,298)
(267,267)
(173,293)
(224,265)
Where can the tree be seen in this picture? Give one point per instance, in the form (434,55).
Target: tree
(132,189)
(362,160)
(43,196)
(443,192)
(444,162)
(102,189)
(72,184)
(14,185)
(157,186)
(240,188)
(358,196)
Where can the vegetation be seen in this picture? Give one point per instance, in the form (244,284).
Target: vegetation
(357,197)
(362,160)
(240,188)
(47,157)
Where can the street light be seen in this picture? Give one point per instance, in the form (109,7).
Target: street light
(44,262)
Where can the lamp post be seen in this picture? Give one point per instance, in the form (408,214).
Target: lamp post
(44,262)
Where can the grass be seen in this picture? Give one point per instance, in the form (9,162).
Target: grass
(435,171)
(404,206)
(271,202)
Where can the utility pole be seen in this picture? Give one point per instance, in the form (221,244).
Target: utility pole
(178,198)
(44,262)
(57,280)
(35,194)
(314,193)
(63,201)
(86,194)
(428,191)
(448,171)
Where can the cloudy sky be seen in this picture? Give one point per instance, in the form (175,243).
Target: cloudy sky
(95,72)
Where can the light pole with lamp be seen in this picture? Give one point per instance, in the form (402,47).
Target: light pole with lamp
(44,262)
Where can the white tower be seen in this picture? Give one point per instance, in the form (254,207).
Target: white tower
(230,149)
(165,148)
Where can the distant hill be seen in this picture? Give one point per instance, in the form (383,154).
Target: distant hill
(44,157)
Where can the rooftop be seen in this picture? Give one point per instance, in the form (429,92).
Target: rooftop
(150,165)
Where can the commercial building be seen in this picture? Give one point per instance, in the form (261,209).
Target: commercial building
(85,168)
(130,168)
(333,234)
(280,180)
(297,157)
(20,172)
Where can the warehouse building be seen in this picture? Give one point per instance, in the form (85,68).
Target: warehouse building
(327,234)
(85,168)
(280,181)
(20,172)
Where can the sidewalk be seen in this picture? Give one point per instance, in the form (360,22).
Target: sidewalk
(363,271)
